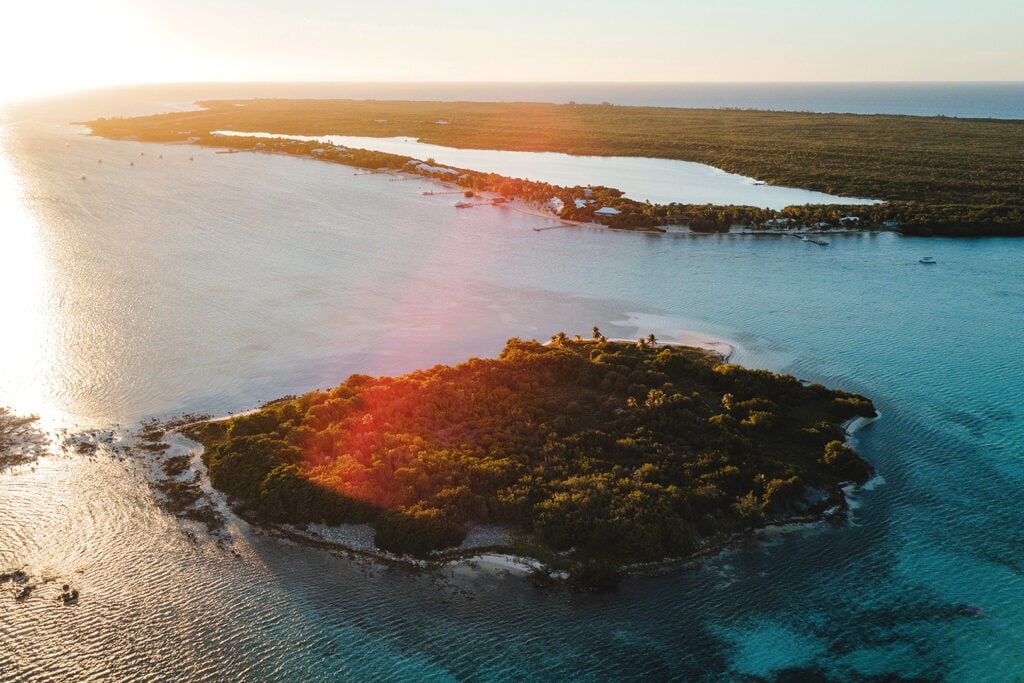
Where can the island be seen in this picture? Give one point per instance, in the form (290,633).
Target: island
(935,175)
(596,455)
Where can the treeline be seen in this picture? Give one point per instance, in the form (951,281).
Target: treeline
(603,453)
(937,174)
(580,203)
(940,176)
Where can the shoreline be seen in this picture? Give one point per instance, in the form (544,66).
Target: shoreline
(536,208)
(497,560)
(494,560)
(692,340)
(532,208)
(486,549)
(913,201)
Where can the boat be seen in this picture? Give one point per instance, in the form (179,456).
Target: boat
(463,205)
(927,260)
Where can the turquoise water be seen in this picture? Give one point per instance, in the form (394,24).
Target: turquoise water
(175,279)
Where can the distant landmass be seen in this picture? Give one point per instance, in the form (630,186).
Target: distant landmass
(937,175)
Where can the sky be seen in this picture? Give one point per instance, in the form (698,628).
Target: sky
(50,46)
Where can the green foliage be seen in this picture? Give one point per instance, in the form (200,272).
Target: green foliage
(417,533)
(240,466)
(594,573)
(606,452)
(845,462)
(938,175)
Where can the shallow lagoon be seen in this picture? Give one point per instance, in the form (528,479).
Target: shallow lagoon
(209,282)
(661,181)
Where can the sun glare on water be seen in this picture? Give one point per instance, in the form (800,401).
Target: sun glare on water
(23,283)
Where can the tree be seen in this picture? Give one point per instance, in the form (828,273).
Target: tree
(240,466)
(845,462)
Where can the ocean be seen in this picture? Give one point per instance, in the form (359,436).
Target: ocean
(995,100)
(173,279)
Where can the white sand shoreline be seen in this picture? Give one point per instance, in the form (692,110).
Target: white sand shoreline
(695,340)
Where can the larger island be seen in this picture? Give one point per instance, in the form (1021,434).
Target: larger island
(595,454)
(936,175)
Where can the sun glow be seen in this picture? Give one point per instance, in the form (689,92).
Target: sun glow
(54,46)
(51,46)
(23,282)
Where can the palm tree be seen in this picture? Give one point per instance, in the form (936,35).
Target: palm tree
(651,339)
(595,333)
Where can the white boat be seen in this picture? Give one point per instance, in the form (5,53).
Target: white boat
(927,260)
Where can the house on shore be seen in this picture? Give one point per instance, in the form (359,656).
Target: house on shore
(426,169)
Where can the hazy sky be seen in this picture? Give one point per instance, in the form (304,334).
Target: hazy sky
(53,45)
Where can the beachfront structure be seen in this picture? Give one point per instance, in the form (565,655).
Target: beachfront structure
(607,211)
(427,169)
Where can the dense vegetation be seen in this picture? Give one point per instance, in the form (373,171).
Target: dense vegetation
(597,453)
(937,174)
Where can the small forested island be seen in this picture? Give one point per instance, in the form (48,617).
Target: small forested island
(935,175)
(595,454)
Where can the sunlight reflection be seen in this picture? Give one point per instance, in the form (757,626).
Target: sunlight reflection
(23,281)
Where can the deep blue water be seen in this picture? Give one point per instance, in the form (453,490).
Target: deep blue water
(964,100)
(998,100)
(174,279)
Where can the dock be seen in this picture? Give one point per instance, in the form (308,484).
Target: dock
(813,240)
